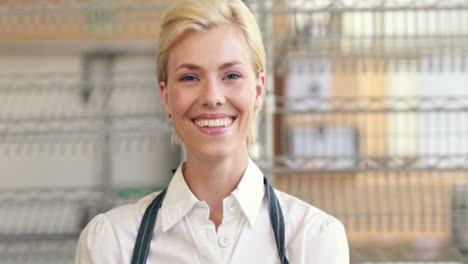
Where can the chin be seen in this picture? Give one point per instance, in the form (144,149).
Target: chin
(216,151)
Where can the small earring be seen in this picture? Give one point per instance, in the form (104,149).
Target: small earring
(169,116)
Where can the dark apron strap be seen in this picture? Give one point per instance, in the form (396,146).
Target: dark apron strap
(277,220)
(145,232)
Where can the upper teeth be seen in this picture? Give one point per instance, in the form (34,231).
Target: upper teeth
(214,122)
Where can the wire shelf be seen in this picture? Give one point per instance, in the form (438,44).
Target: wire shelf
(352,164)
(377,36)
(354,35)
(47,214)
(79,19)
(26,96)
(392,169)
(281,6)
(42,225)
(437,254)
(41,106)
(362,104)
(46,252)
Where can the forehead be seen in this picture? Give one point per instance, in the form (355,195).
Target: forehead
(210,48)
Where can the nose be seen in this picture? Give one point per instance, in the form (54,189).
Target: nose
(212,93)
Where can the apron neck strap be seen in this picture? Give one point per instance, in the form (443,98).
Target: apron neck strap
(276,219)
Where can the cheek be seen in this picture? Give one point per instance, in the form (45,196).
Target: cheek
(180,101)
(244,101)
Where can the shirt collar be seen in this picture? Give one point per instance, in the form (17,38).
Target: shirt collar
(180,200)
(250,191)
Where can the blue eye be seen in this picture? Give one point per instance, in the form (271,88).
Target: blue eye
(188,78)
(232,76)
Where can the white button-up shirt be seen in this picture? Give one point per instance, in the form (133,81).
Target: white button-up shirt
(184,234)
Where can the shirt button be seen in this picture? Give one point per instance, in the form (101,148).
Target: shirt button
(223,241)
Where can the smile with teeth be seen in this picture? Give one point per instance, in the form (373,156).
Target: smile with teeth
(214,123)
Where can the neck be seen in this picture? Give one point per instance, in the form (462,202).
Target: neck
(212,180)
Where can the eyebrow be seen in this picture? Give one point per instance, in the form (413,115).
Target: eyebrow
(229,64)
(188,66)
(195,67)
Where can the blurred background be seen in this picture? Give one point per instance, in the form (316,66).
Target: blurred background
(365,117)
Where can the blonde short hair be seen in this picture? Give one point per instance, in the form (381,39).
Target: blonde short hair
(200,15)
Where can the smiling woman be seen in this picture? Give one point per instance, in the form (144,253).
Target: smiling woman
(218,208)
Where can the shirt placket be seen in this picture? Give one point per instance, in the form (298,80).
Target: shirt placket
(229,230)
(204,233)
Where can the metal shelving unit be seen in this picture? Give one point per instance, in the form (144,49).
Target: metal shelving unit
(391,166)
(375,36)
(50,118)
(395,175)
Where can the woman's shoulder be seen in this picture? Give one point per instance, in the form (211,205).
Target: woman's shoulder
(130,211)
(304,215)
(312,235)
(114,230)
(119,218)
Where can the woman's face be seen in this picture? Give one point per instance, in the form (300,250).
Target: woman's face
(212,92)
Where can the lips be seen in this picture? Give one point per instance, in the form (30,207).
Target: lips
(215,123)
(213,116)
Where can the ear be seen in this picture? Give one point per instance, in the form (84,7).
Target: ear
(165,97)
(259,90)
